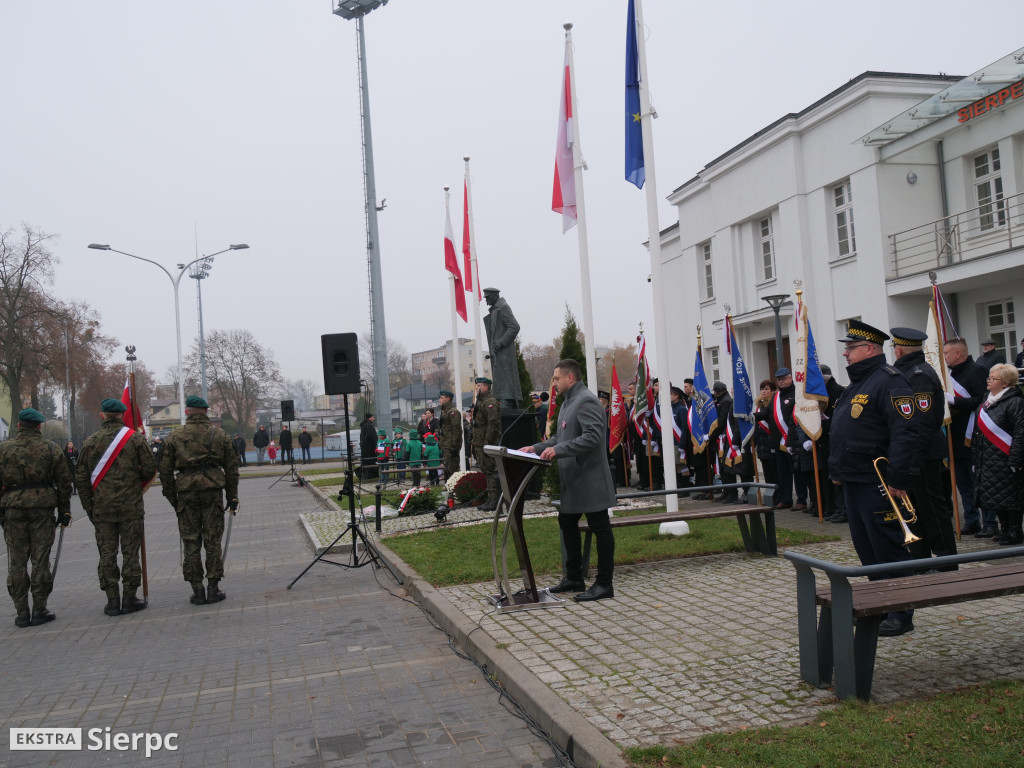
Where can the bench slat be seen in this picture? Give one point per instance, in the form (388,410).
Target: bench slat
(698,513)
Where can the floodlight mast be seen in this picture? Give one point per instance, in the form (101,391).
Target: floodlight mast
(357,9)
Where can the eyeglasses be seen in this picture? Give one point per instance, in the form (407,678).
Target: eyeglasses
(854,346)
(993,378)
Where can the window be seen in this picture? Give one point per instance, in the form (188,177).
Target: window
(716,373)
(988,184)
(843,196)
(708,284)
(767,249)
(1002,328)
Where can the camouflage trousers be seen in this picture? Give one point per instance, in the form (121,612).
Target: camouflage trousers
(201,526)
(128,534)
(451,462)
(29,536)
(489,467)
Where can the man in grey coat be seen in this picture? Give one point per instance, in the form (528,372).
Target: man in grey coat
(580,443)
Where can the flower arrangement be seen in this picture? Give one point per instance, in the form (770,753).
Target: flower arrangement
(466,486)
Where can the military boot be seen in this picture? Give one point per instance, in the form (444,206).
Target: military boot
(23,618)
(198,594)
(113,607)
(213,593)
(493,496)
(131,602)
(40,615)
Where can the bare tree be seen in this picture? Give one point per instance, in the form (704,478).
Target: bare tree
(399,363)
(242,375)
(26,268)
(624,358)
(302,391)
(540,361)
(107,380)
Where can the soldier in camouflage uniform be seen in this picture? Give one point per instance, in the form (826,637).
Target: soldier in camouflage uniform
(487,431)
(207,466)
(451,433)
(114,504)
(34,478)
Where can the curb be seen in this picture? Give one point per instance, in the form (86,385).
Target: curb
(581,740)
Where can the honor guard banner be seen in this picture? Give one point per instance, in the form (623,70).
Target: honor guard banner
(808,381)
(617,414)
(702,416)
(742,396)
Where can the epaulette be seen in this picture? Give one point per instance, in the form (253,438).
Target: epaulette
(890,370)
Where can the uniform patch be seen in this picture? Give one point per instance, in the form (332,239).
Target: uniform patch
(856,410)
(923,401)
(860,399)
(904,406)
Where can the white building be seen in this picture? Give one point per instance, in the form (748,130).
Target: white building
(858,197)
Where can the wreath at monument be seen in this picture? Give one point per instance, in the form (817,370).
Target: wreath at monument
(467,486)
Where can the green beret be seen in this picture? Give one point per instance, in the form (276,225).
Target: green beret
(31,416)
(110,405)
(483,380)
(447,393)
(195,401)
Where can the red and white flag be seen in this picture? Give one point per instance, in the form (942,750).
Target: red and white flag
(132,417)
(617,421)
(451,263)
(563,197)
(467,253)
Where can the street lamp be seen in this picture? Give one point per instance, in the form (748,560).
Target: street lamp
(775,301)
(175,282)
(200,272)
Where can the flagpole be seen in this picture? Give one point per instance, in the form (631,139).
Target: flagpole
(668,447)
(817,481)
(475,293)
(943,375)
(132,410)
(457,372)
(581,222)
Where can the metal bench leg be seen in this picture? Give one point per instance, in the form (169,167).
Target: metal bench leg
(760,540)
(865,644)
(769,525)
(748,544)
(842,637)
(826,662)
(806,630)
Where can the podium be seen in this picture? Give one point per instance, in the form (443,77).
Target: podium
(515,470)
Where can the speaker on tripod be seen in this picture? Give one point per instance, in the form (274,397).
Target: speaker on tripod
(288,410)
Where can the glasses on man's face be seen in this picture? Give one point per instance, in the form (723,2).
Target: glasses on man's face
(854,346)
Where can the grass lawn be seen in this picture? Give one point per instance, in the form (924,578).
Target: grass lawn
(975,726)
(462,555)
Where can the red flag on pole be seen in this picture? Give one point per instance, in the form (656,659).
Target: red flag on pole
(451,263)
(132,417)
(466,252)
(563,197)
(617,417)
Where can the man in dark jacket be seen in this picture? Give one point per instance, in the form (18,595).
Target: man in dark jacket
(780,421)
(930,498)
(586,483)
(305,440)
(969,392)
(1018,361)
(285,441)
(989,356)
(239,442)
(260,441)
(873,418)
(368,447)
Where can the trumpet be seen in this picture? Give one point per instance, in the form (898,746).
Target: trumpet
(908,536)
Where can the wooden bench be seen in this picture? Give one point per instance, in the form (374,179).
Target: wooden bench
(845,638)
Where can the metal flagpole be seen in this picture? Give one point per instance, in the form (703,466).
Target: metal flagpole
(457,371)
(477,288)
(132,410)
(668,438)
(578,166)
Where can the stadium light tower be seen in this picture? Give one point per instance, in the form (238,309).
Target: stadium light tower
(357,9)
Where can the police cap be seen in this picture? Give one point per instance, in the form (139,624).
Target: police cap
(907,337)
(858,331)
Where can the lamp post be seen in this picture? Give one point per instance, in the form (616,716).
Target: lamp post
(356,10)
(199,272)
(775,301)
(175,282)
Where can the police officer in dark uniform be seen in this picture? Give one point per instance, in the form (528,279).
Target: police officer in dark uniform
(873,417)
(928,493)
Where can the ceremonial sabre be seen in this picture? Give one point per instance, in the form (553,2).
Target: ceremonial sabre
(56,558)
(227,537)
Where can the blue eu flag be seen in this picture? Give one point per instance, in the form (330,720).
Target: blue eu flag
(634,136)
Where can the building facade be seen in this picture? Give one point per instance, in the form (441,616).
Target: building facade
(431,365)
(859,200)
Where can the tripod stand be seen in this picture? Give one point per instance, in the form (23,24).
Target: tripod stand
(371,555)
(291,472)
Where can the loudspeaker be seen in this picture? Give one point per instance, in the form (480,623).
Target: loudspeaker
(341,363)
(287,410)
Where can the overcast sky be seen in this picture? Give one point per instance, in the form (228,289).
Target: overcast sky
(140,123)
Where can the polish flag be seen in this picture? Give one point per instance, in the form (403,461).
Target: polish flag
(451,263)
(466,252)
(563,197)
(132,417)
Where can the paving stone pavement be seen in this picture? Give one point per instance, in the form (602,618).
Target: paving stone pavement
(707,644)
(331,673)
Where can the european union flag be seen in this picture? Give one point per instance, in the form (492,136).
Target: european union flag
(634,135)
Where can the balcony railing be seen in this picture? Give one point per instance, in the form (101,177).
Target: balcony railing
(991,228)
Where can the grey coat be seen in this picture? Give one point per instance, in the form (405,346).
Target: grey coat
(581,450)
(502,328)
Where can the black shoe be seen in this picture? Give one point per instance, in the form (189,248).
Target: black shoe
(970,530)
(568,585)
(131,602)
(213,592)
(1013,537)
(838,519)
(596,592)
(23,619)
(988,532)
(41,616)
(891,627)
(702,497)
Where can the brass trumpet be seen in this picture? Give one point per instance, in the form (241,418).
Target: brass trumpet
(908,536)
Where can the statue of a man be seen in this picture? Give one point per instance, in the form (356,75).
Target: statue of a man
(502,329)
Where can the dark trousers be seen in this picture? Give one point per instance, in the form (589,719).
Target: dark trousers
(569,525)
(876,533)
(305,454)
(787,479)
(965,484)
(934,513)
